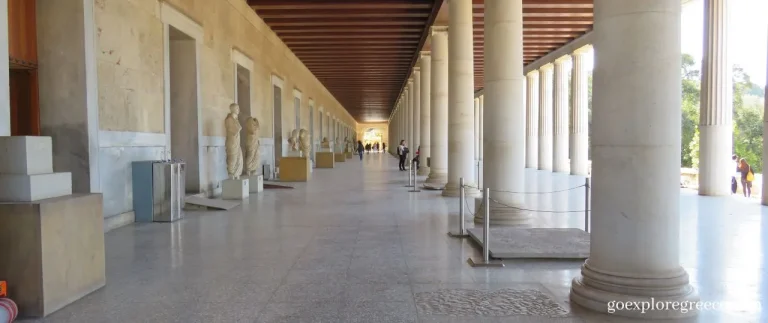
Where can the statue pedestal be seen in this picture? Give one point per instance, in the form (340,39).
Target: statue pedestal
(255,183)
(350,154)
(53,251)
(341,157)
(235,189)
(325,159)
(295,169)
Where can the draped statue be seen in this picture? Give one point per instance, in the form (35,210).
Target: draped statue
(232,143)
(304,142)
(252,157)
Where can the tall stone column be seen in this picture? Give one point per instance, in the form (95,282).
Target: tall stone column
(477,132)
(425,62)
(560,151)
(545,117)
(765,142)
(716,119)
(416,109)
(461,93)
(409,115)
(480,144)
(532,121)
(634,249)
(580,113)
(438,171)
(504,115)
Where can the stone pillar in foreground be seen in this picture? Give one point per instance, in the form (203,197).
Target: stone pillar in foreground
(409,118)
(545,117)
(580,113)
(424,137)
(438,171)
(480,143)
(461,94)
(532,121)
(765,142)
(560,150)
(477,135)
(416,110)
(634,249)
(716,119)
(504,124)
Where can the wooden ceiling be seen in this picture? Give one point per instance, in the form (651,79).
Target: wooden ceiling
(363,50)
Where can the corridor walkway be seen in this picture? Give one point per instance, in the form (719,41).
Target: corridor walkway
(354,246)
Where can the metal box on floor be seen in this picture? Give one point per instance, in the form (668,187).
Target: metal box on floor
(158,190)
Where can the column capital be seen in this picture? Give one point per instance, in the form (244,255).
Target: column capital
(438,29)
(583,50)
(425,54)
(563,59)
(416,69)
(534,73)
(547,67)
(410,81)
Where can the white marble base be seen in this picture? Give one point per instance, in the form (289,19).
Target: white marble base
(26,155)
(256,183)
(235,189)
(29,188)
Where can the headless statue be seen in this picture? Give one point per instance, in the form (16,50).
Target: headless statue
(232,143)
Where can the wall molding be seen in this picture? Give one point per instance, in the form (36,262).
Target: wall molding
(242,59)
(278,81)
(172,16)
(108,139)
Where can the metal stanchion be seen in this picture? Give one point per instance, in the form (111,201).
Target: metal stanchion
(587,188)
(462,231)
(410,176)
(486,262)
(413,170)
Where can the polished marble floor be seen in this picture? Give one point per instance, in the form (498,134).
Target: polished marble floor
(354,245)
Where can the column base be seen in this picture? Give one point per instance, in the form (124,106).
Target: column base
(423,171)
(452,190)
(502,215)
(606,292)
(436,180)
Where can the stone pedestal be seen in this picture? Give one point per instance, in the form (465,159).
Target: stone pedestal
(255,183)
(350,155)
(295,169)
(26,170)
(341,157)
(53,251)
(237,189)
(325,159)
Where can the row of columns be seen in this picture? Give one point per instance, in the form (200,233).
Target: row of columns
(635,228)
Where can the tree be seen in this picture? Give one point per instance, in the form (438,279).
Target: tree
(690,112)
(747,121)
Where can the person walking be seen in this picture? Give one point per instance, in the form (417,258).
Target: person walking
(384,147)
(360,149)
(747,176)
(402,153)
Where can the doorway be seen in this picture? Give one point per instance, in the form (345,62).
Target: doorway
(182,63)
(243,99)
(22,77)
(277,115)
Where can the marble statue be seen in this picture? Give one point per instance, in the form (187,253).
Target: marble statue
(325,143)
(337,145)
(304,143)
(252,161)
(232,143)
(293,140)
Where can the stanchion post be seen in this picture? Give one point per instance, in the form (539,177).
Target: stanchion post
(415,178)
(587,188)
(486,262)
(462,231)
(410,175)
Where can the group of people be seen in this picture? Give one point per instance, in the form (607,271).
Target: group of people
(402,154)
(368,147)
(744,171)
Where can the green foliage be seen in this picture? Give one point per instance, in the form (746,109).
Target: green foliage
(690,113)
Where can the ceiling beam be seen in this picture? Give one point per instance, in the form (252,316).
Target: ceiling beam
(350,4)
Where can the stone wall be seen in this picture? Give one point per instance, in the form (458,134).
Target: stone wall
(130,42)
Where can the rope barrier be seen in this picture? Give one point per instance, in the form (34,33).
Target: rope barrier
(511,192)
(540,211)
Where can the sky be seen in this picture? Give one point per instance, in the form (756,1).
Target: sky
(748,35)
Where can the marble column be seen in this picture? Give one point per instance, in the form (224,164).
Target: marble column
(765,142)
(634,248)
(580,113)
(532,120)
(504,115)
(545,117)
(438,124)
(416,110)
(425,62)
(477,132)
(5,95)
(408,114)
(461,93)
(480,144)
(560,149)
(716,119)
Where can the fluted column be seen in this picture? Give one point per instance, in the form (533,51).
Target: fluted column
(560,149)
(477,131)
(409,116)
(716,119)
(461,93)
(416,109)
(634,247)
(532,121)
(425,62)
(545,117)
(480,149)
(504,115)
(580,113)
(438,171)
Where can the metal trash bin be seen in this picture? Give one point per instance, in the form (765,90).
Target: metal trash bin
(158,190)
